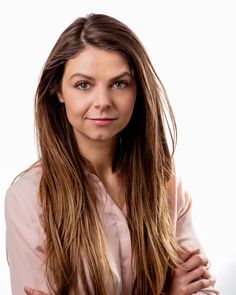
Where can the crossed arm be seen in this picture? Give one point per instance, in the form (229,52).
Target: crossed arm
(191,277)
(25,238)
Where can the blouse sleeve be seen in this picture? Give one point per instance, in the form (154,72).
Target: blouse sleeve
(184,228)
(24,238)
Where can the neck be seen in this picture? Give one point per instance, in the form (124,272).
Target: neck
(99,153)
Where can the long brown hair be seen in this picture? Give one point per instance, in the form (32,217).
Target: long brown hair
(142,161)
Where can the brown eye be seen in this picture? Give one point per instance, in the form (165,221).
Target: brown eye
(82,85)
(120,84)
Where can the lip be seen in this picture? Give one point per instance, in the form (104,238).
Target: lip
(102,121)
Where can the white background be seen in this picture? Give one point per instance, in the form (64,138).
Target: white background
(192,46)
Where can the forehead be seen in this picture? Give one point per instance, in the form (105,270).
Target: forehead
(93,61)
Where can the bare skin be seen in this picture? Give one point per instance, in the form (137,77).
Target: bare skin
(192,276)
(30,291)
(98,85)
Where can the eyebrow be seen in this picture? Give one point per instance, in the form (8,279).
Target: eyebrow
(125,73)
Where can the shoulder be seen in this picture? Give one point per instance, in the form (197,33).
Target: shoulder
(22,195)
(25,234)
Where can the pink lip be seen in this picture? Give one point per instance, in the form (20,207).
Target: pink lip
(102,122)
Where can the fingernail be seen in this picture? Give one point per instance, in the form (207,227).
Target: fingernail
(212,281)
(29,290)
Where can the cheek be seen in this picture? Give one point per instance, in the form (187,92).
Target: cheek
(129,102)
(74,113)
(75,104)
(74,107)
(128,107)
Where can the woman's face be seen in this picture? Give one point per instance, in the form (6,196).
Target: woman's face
(99,94)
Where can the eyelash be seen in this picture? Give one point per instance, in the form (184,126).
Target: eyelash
(78,85)
(125,83)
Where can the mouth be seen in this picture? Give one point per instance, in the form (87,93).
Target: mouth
(102,121)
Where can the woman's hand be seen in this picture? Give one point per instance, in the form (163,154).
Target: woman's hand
(30,291)
(192,276)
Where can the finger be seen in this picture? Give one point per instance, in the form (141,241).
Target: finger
(30,291)
(196,274)
(194,262)
(213,280)
(185,254)
(198,285)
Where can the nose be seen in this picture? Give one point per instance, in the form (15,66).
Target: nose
(102,98)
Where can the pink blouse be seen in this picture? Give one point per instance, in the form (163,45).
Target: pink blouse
(25,234)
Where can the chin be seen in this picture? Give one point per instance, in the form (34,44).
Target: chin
(103,137)
(96,136)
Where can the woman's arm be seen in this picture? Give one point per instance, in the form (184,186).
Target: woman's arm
(25,235)
(194,267)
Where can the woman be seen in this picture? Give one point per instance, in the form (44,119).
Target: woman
(102,211)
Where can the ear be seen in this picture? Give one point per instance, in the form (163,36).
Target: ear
(60,97)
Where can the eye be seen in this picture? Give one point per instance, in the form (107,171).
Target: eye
(82,85)
(120,84)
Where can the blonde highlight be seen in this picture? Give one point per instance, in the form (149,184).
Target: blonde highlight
(143,163)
